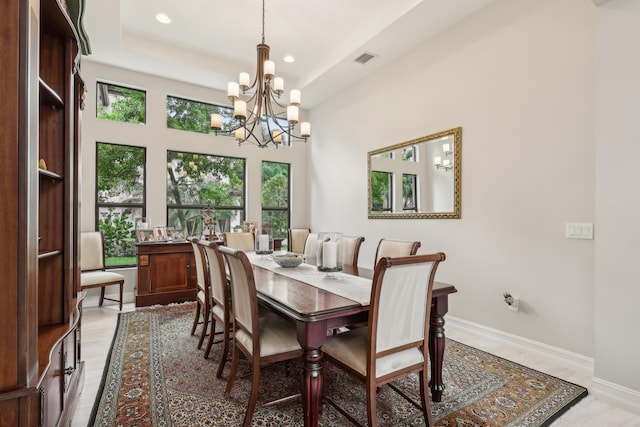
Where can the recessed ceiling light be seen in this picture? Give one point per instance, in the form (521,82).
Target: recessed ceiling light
(288,58)
(161,17)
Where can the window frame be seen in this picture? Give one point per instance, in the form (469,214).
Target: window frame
(119,85)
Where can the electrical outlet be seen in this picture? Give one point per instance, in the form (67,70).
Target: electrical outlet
(514,305)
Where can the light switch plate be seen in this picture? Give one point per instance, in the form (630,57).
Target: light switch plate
(575,230)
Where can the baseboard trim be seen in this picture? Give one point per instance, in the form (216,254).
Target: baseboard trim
(616,395)
(581,364)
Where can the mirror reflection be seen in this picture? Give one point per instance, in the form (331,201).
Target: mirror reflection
(418,178)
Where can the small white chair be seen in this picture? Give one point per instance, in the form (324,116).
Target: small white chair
(396,342)
(93,273)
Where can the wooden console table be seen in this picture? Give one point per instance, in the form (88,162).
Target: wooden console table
(166,273)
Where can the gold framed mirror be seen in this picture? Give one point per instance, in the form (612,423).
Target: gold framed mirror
(420,178)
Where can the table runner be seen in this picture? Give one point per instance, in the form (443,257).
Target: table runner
(352,287)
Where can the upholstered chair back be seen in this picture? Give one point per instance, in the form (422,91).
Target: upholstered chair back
(351,249)
(240,241)
(243,297)
(297,239)
(394,249)
(311,245)
(217,277)
(92,251)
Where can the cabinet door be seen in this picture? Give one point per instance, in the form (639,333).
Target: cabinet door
(170,272)
(51,390)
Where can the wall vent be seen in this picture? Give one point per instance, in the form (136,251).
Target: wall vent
(364,58)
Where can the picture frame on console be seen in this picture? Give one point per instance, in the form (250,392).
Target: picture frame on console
(160,233)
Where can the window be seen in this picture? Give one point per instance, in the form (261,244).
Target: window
(120,199)
(199,181)
(120,103)
(409,190)
(195,116)
(381,191)
(275,196)
(409,154)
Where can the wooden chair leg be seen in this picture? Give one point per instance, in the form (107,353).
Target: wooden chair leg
(225,350)
(371,405)
(235,359)
(424,398)
(121,289)
(196,319)
(253,398)
(205,325)
(101,296)
(211,337)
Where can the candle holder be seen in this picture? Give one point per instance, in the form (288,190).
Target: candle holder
(329,253)
(264,239)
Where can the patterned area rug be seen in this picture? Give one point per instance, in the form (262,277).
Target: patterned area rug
(155,376)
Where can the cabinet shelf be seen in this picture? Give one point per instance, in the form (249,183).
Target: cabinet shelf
(48,96)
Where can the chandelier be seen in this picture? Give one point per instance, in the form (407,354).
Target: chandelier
(262,118)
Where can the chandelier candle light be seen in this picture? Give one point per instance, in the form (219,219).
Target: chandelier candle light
(265,107)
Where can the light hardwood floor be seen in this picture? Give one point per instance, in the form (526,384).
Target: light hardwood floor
(98,326)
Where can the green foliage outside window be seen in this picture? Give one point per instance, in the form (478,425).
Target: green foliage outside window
(380,191)
(120,103)
(196,181)
(195,116)
(275,196)
(120,179)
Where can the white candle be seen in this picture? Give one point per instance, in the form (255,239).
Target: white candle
(277,136)
(437,161)
(244,80)
(240,109)
(292,113)
(445,162)
(305,129)
(240,134)
(278,84)
(269,68)
(329,254)
(216,121)
(446,148)
(233,91)
(294,97)
(263,243)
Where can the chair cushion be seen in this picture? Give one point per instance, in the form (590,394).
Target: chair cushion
(351,347)
(218,311)
(96,278)
(276,336)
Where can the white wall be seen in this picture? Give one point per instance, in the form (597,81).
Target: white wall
(518,76)
(617,198)
(155,136)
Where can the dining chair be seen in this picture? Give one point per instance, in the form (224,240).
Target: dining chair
(220,301)
(93,273)
(395,248)
(297,238)
(311,245)
(396,342)
(351,249)
(262,339)
(241,241)
(203,291)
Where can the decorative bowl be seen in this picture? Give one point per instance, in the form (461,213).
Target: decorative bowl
(288,260)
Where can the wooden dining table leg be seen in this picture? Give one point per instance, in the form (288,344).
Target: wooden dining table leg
(439,307)
(311,336)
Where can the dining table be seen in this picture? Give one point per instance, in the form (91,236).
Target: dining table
(317,310)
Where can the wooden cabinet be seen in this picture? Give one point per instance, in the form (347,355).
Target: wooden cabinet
(166,273)
(40,309)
